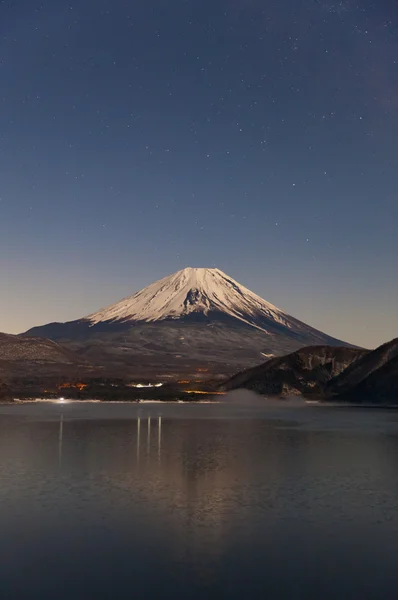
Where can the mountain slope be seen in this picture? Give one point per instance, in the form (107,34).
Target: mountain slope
(190,292)
(201,294)
(370,362)
(303,371)
(193,318)
(23,356)
(5,393)
(14,347)
(342,374)
(379,387)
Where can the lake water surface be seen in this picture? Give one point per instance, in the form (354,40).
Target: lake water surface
(198,501)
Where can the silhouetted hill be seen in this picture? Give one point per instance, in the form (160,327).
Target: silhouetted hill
(14,347)
(367,364)
(304,371)
(380,387)
(26,356)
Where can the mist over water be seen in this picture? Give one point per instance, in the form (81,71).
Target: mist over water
(240,404)
(248,399)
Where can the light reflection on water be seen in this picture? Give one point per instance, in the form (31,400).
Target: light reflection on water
(198,501)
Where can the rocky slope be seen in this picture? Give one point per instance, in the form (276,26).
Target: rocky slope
(14,347)
(26,356)
(330,373)
(380,387)
(369,363)
(301,372)
(372,379)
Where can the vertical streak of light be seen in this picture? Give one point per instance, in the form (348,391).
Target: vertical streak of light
(149,437)
(60,439)
(159,437)
(138,439)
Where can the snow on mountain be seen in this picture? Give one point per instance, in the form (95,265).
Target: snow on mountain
(191,291)
(195,318)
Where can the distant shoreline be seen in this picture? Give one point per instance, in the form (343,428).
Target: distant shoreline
(210,400)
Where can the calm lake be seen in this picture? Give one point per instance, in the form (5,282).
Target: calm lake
(198,501)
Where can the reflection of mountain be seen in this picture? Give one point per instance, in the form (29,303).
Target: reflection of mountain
(194,489)
(225,502)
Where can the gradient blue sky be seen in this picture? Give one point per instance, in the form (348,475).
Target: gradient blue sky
(137,138)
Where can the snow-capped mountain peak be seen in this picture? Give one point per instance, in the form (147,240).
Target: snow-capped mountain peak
(192,290)
(193,319)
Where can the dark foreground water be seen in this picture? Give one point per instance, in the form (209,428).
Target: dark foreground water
(198,502)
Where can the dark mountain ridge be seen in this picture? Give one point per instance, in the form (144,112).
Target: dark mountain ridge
(330,373)
(379,387)
(24,356)
(361,369)
(372,379)
(305,371)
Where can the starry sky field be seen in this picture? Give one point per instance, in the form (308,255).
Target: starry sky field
(260,137)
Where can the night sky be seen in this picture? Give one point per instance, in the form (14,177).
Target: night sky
(257,136)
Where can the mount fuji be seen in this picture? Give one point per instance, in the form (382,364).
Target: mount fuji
(194,319)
